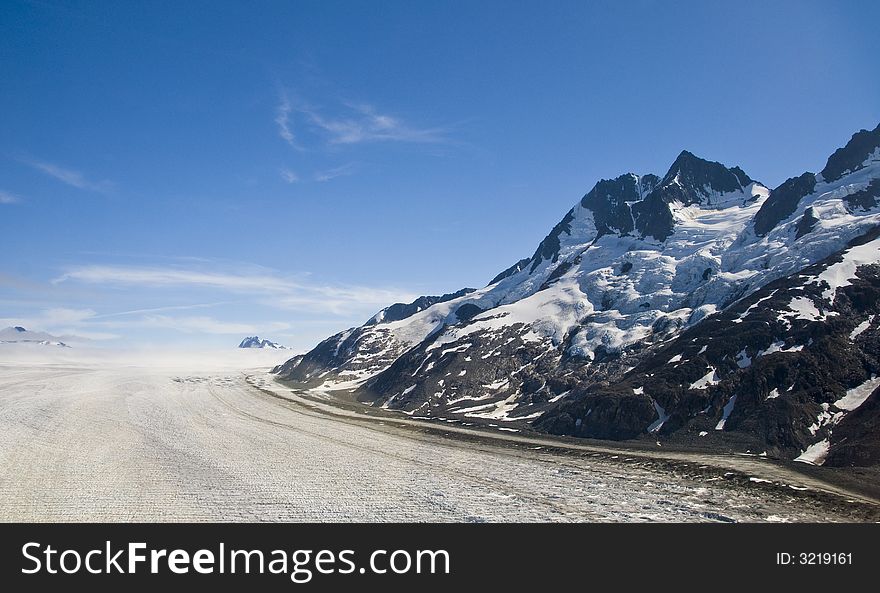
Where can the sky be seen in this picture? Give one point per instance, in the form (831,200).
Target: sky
(195,172)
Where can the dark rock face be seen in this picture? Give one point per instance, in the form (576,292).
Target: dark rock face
(608,202)
(467,311)
(697,177)
(653,217)
(782,202)
(865,199)
(549,247)
(648,183)
(857,437)
(850,157)
(601,414)
(806,223)
(399,311)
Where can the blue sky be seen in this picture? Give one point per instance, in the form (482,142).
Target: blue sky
(194,172)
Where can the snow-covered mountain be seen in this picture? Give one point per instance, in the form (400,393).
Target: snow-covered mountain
(638,264)
(256,342)
(18,334)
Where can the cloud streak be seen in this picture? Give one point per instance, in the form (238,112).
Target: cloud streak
(8,198)
(70,177)
(363,123)
(288,175)
(204,325)
(79,324)
(267,288)
(159,310)
(343,171)
(282,120)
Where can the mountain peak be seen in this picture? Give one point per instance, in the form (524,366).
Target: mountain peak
(256,342)
(701,175)
(18,334)
(863,146)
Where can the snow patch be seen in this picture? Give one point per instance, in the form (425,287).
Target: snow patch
(816,453)
(662,417)
(743,360)
(840,274)
(861,328)
(710,378)
(728,408)
(779,347)
(857,395)
(804,308)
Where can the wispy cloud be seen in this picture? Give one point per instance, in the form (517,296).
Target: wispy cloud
(8,198)
(343,171)
(158,277)
(269,289)
(288,175)
(364,123)
(71,177)
(50,318)
(160,309)
(282,119)
(63,315)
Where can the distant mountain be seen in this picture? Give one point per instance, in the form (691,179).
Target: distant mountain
(18,334)
(256,342)
(636,315)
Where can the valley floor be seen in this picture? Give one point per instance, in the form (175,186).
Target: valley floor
(82,442)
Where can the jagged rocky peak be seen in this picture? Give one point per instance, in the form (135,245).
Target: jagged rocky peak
(690,180)
(862,148)
(256,342)
(701,180)
(610,199)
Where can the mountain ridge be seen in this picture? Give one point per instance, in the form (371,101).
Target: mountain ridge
(637,262)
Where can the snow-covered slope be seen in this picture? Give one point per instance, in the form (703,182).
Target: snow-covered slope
(638,260)
(793,369)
